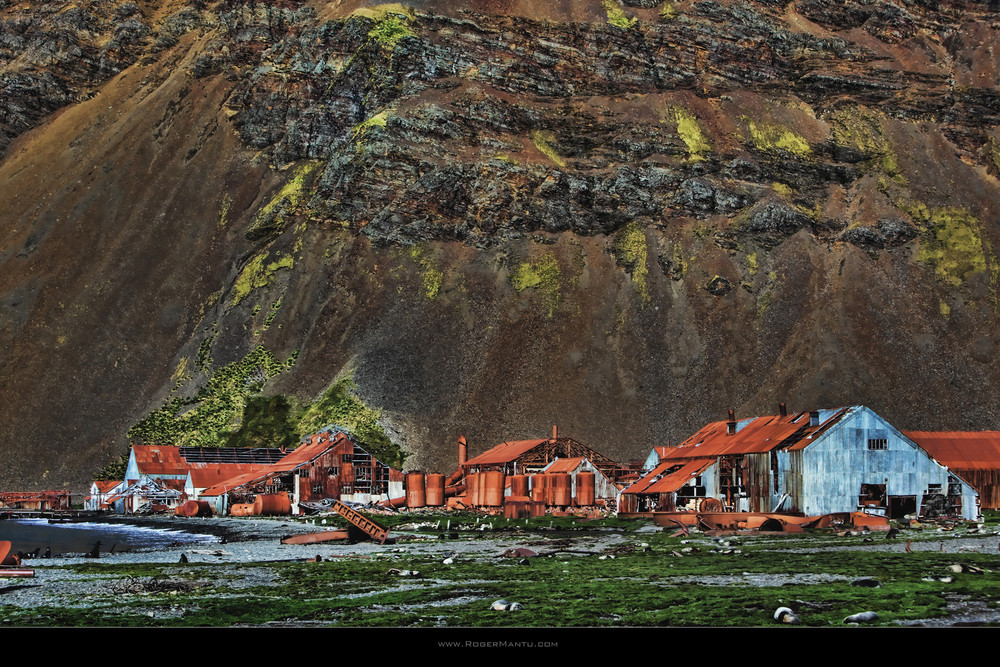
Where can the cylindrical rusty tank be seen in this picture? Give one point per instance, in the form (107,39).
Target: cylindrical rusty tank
(434,489)
(539,488)
(241,509)
(472,489)
(562,489)
(415,494)
(586,483)
(272,504)
(491,488)
(194,508)
(518,485)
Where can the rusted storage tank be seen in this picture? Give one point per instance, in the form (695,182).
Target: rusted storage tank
(194,508)
(491,488)
(518,485)
(562,489)
(539,488)
(472,489)
(272,504)
(585,489)
(434,489)
(415,495)
(241,509)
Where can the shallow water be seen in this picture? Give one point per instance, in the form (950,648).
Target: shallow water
(79,538)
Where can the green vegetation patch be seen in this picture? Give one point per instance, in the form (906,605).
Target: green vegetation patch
(210,417)
(389,29)
(630,251)
(773,137)
(339,405)
(543,276)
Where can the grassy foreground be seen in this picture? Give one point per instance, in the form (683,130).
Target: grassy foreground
(650,579)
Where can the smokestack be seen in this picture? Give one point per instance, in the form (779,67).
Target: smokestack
(782,409)
(554,434)
(814,418)
(731,424)
(463,450)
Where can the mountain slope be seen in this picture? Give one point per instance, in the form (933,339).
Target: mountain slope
(618,218)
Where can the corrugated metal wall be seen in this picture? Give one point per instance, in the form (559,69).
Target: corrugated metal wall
(832,470)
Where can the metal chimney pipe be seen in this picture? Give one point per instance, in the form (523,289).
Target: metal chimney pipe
(731,424)
(554,434)
(463,450)
(782,409)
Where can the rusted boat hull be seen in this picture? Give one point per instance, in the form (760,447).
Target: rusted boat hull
(312,538)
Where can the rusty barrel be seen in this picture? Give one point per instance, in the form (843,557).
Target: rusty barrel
(519,485)
(492,488)
(415,493)
(434,489)
(272,504)
(585,489)
(241,509)
(194,508)
(562,489)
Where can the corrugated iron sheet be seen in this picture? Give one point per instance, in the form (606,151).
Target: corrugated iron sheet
(661,481)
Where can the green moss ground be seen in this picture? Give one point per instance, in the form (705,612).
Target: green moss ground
(654,579)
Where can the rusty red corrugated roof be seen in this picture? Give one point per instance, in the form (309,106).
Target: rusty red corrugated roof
(155,460)
(105,485)
(662,479)
(505,452)
(960,450)
(565,464)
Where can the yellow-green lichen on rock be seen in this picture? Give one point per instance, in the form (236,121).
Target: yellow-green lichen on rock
(617,16)
(431,277)
(272,215)
(543,276)
(952,244)
(543,142)
(630,251)
(772,137)
(690,133)
(257,274)
(861,128)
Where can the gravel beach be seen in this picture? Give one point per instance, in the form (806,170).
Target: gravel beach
(245,541)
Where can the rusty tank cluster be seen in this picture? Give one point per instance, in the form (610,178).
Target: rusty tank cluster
(493,491)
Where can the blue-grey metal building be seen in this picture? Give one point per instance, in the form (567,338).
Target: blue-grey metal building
(818,462)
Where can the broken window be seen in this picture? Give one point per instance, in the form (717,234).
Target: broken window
(872,495)
(878,443)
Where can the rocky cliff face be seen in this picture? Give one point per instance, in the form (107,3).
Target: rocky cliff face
(619,217)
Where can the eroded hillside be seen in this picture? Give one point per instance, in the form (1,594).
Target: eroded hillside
(618,218)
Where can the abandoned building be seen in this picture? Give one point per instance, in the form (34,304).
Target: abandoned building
(328,464)
(532,475)
(101,492)
(972,455)
(35,500)
(814,463)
